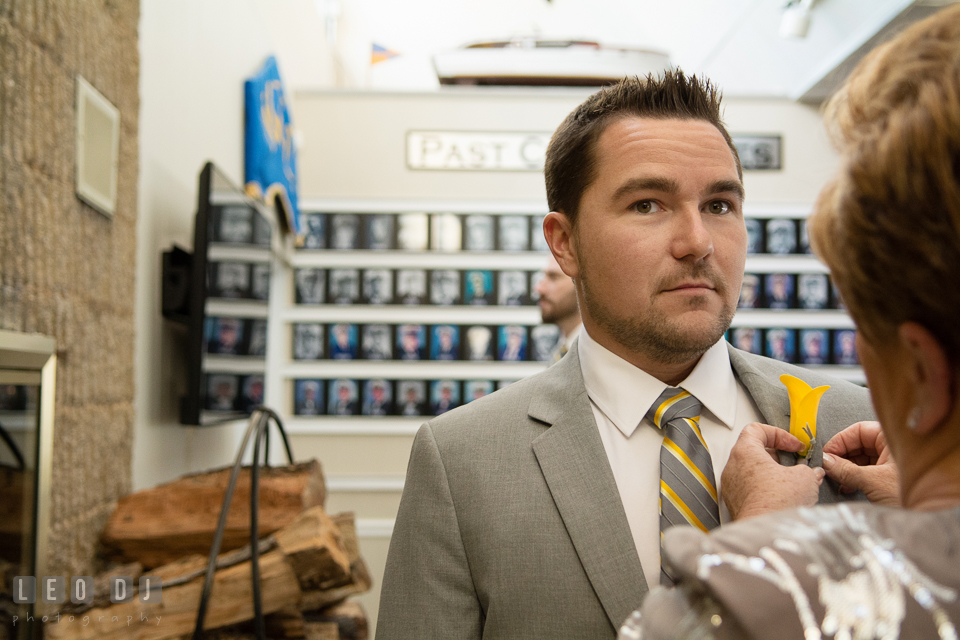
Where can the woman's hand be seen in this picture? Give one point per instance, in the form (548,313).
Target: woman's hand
(754,482)
(858,458)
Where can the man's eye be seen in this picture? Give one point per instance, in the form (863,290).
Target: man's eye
(719,206)
(647,206)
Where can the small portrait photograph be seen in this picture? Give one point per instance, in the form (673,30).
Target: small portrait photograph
(235,224)
(314,230)
(377,286)
(222,391)
(413,231)
(260,281)
(512,343)
(805,237)
(476,389)
(814,346)
(750,292)
(342,397)
(480,342)
(538,242)
(377,398)
(781,345)
(311,282)
(378,231)
(478,233)
(411,397)
(376,342)
(754,235)
(343,342)
(478,287)
(261,230)
(412,286)
(411,342)
(512,288)
(813,290)
(257,346)
(444,396)
(446,232)
(230,280)
(781,236)
(513,233)
(226,337)
(307,341)
(444,287)
(747,339)
(845,347)
(779,290)
(344,231)
(344,286)
(308,397)
(251,392)
(445,342)
(546,339)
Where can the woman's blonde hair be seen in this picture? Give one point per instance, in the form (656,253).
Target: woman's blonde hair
(888,225)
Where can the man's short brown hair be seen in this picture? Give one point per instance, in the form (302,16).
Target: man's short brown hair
(571,163)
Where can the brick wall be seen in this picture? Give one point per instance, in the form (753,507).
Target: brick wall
(66,270)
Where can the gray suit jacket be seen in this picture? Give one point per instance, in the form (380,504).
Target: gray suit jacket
(511,525)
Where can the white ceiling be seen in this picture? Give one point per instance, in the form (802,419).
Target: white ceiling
(735,42)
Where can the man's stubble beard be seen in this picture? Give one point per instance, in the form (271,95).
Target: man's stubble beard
(559,310)
(656,335)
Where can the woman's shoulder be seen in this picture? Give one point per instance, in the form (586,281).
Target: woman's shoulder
(847,567)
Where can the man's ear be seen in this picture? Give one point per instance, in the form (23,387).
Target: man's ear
(562,241)
(928,369)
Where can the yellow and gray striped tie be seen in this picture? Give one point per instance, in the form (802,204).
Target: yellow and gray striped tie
(688,487)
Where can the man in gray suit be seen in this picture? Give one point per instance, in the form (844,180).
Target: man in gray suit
(534,512)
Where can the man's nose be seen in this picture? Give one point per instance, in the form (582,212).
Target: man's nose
(691,237)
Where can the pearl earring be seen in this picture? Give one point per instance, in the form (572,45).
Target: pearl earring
(913,419)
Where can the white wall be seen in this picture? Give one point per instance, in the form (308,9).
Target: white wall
(194,58)
(354,143)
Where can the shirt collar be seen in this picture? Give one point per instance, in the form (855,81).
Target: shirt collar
(624,392)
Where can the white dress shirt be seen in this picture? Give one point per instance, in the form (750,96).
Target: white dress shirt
(620,396)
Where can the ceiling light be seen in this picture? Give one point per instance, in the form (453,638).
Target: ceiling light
(796,19)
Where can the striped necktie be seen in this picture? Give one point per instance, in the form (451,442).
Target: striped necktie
(688,488)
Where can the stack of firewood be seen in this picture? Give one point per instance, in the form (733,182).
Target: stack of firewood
(310,563)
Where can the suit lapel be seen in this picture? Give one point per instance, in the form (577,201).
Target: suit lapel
(771,397)
(575,467)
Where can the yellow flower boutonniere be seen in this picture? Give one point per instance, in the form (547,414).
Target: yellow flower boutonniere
(804,403)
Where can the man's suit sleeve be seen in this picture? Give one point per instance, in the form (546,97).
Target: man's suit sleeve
(427,590)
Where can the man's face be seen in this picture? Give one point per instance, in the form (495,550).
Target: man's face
(660,242)
(558,294)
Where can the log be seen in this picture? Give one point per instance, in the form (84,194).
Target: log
(322,630)
(322,595)
(315,549)
(157,526)
(286,624)
(231,602)
(313,535)
(350,618)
